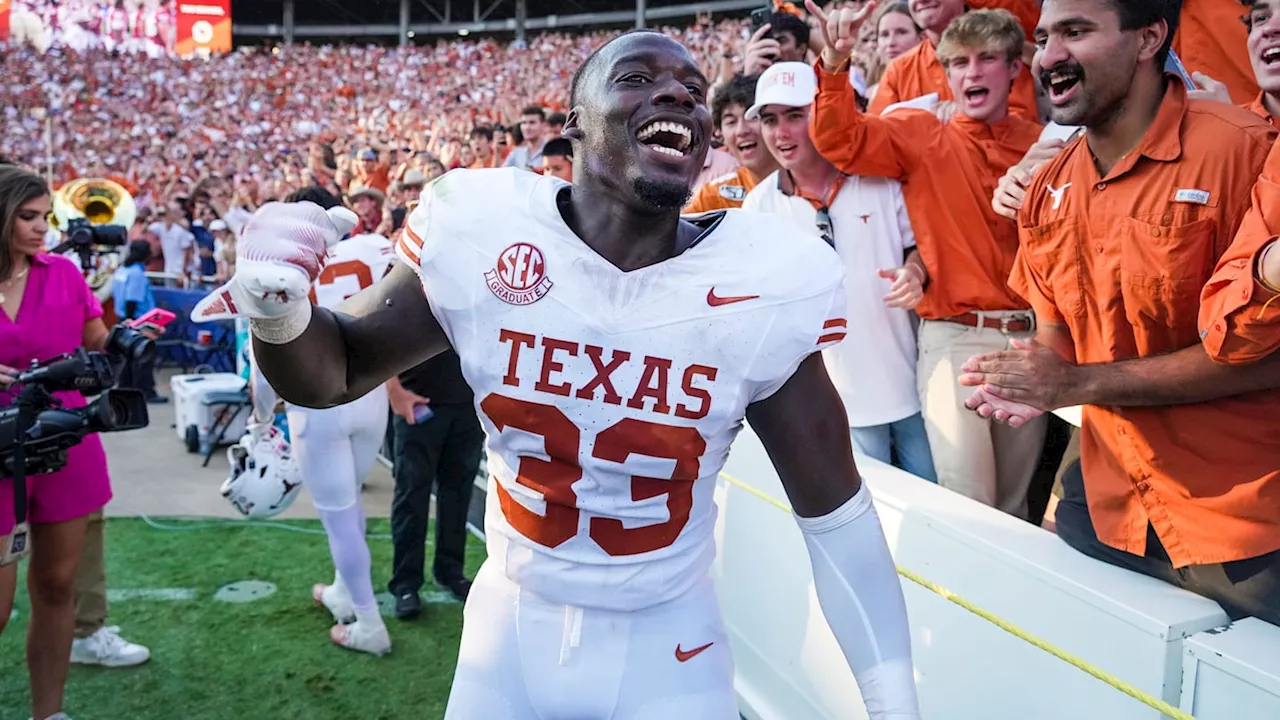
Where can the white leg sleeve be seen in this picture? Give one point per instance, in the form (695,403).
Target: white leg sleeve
(263,395)
(860,595)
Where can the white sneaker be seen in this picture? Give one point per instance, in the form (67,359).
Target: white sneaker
(108,649)
(363,635)
(59,716)
(337,600)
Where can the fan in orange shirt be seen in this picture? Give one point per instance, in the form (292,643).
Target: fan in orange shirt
(1210,40)
(742,139)
(1178,476)
(918,72)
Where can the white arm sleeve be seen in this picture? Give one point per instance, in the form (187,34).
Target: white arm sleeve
(858,589)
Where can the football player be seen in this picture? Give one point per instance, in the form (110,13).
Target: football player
(615,350)
(335,448)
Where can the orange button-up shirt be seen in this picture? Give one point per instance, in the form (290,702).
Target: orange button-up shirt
(723,193)
(1212,39)
(1239,317)
(948,173)
(1257,107)
(919,72)
(1120,261)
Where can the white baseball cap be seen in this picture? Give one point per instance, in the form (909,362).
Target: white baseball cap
(793,84)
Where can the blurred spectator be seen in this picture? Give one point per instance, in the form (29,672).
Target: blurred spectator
(557,159)
(555,124)
(370,205)
(785,38)
(485,153)
(533,128)
(371,171)
(176,241)
(742,140)
(407,194)
(895,34)
(133,298)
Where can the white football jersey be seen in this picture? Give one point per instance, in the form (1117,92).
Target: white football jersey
(351,266)
(609,398)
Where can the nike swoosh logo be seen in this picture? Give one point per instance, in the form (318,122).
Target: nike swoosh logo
(686,655)
(715,301)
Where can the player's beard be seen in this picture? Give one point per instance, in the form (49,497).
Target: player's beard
(662,195)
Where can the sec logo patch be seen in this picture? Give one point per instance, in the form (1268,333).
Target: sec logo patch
(520,277)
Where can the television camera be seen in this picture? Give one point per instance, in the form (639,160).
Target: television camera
(94,216)
(37,429)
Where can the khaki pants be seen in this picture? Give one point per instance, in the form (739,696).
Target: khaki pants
(91,580)
(980,459)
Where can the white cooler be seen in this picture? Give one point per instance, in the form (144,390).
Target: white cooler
(191,408)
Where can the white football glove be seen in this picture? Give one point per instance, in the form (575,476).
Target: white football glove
(279,255)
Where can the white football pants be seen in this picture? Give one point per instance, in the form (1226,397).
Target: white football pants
(524,658)
(336,447)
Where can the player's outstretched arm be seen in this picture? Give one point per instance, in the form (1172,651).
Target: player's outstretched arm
(806,433)
(376,334)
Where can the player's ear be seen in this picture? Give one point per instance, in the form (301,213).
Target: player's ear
(572,130)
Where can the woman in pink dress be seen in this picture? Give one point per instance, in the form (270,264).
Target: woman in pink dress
(46,309)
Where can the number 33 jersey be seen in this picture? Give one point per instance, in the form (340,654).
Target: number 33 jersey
(609,398)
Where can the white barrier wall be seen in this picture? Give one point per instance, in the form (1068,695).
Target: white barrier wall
(1167,642)
(789,666)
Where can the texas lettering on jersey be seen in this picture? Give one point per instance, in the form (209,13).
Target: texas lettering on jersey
(691,400)
(609,399)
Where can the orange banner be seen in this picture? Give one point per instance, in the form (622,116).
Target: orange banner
(204,26)
(5,7)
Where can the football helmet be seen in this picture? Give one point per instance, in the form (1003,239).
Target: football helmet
(264,479)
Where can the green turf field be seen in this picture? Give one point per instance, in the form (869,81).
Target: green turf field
(267,659)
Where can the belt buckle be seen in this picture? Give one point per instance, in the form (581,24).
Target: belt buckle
(1006,320)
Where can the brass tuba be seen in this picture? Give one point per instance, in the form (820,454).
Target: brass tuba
(98,200)
(101,202)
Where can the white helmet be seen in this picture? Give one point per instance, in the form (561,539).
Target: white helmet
(264,478)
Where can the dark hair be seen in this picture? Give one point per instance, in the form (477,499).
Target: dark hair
(1137,14)
(740,90)
(17,188)
(781,22)
(534,110)
(482,131)
(315,194)
(556,118)
(4,160)
(139,252)
(584,69)
(558,147)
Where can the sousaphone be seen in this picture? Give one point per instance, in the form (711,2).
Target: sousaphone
(100,202)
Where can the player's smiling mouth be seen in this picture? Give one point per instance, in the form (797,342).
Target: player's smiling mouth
(668,137)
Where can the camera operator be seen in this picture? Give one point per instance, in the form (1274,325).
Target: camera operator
(48,309)
(133,298)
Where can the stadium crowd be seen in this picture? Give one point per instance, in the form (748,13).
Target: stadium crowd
(905,135)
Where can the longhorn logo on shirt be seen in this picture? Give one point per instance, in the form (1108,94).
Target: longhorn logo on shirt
(521,275)
(1056,194)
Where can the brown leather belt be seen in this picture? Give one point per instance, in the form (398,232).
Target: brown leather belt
(1006,325)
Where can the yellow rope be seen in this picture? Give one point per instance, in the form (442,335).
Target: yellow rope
(1100,674)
